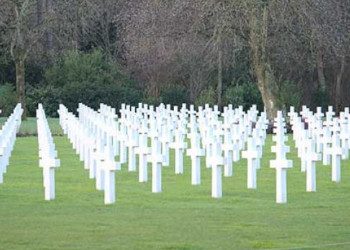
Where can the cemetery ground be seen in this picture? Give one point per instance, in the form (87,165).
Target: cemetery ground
(181,217)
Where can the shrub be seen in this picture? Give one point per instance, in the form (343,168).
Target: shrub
(289,95)
(48,95)
(151,100)
(320,98)
(174,95)
(88,78)
(245,95)
(207,96)
(93,94)
(8,99)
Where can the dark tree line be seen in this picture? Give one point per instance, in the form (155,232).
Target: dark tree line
(198,45)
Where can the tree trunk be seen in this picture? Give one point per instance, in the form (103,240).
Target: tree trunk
(339,78)
(263,71)
(48,33)
(267,87)
(19,55)
(20,85)
(320,71)
(195,84)
(39,12)
(219,87)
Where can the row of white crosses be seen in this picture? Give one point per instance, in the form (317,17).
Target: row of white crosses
(47,154)
(99,136)
(219,138)
(253,153)
(99,128)
(281,164)
(195,152)
(320,136)
(94,142)
(133,134)
(8,137)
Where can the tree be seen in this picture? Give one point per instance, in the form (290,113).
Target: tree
(247,24)
(326,25)
(21,34)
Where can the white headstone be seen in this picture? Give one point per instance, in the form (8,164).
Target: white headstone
(195,152)
(336,152)
(281,164)
(143,150)
(179,145)
(216,161)
(251,154)
(156,158)
(311,157)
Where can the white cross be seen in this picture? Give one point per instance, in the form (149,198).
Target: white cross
(156,158)
(335,126)
(311,158)
(49,164)
(319,114)
(165,139)
(122,141)
(281,164)
(47,154)
(110,166)
(143,150)
(208,140)
(228,148)
(328,122)
(92,157)
(259,146)
(99,170)
(86,152)
(238,142)
(132,144)
(251,154)
(195,152)
(292,114)
(326,141)
(280,138)
(216,161)
(304,111)
(179,145)
(330,112)
(336,151)
(317,132)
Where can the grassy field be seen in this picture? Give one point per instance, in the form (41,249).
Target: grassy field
(28,127)
(181,217)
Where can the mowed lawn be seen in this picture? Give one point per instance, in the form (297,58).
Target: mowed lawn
(28,127)
(181,217)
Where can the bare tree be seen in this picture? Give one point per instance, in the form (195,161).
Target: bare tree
(21,34)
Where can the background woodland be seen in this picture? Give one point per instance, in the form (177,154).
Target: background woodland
(273,53)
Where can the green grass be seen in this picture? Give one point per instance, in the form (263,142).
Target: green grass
(28,126)
(181,217)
